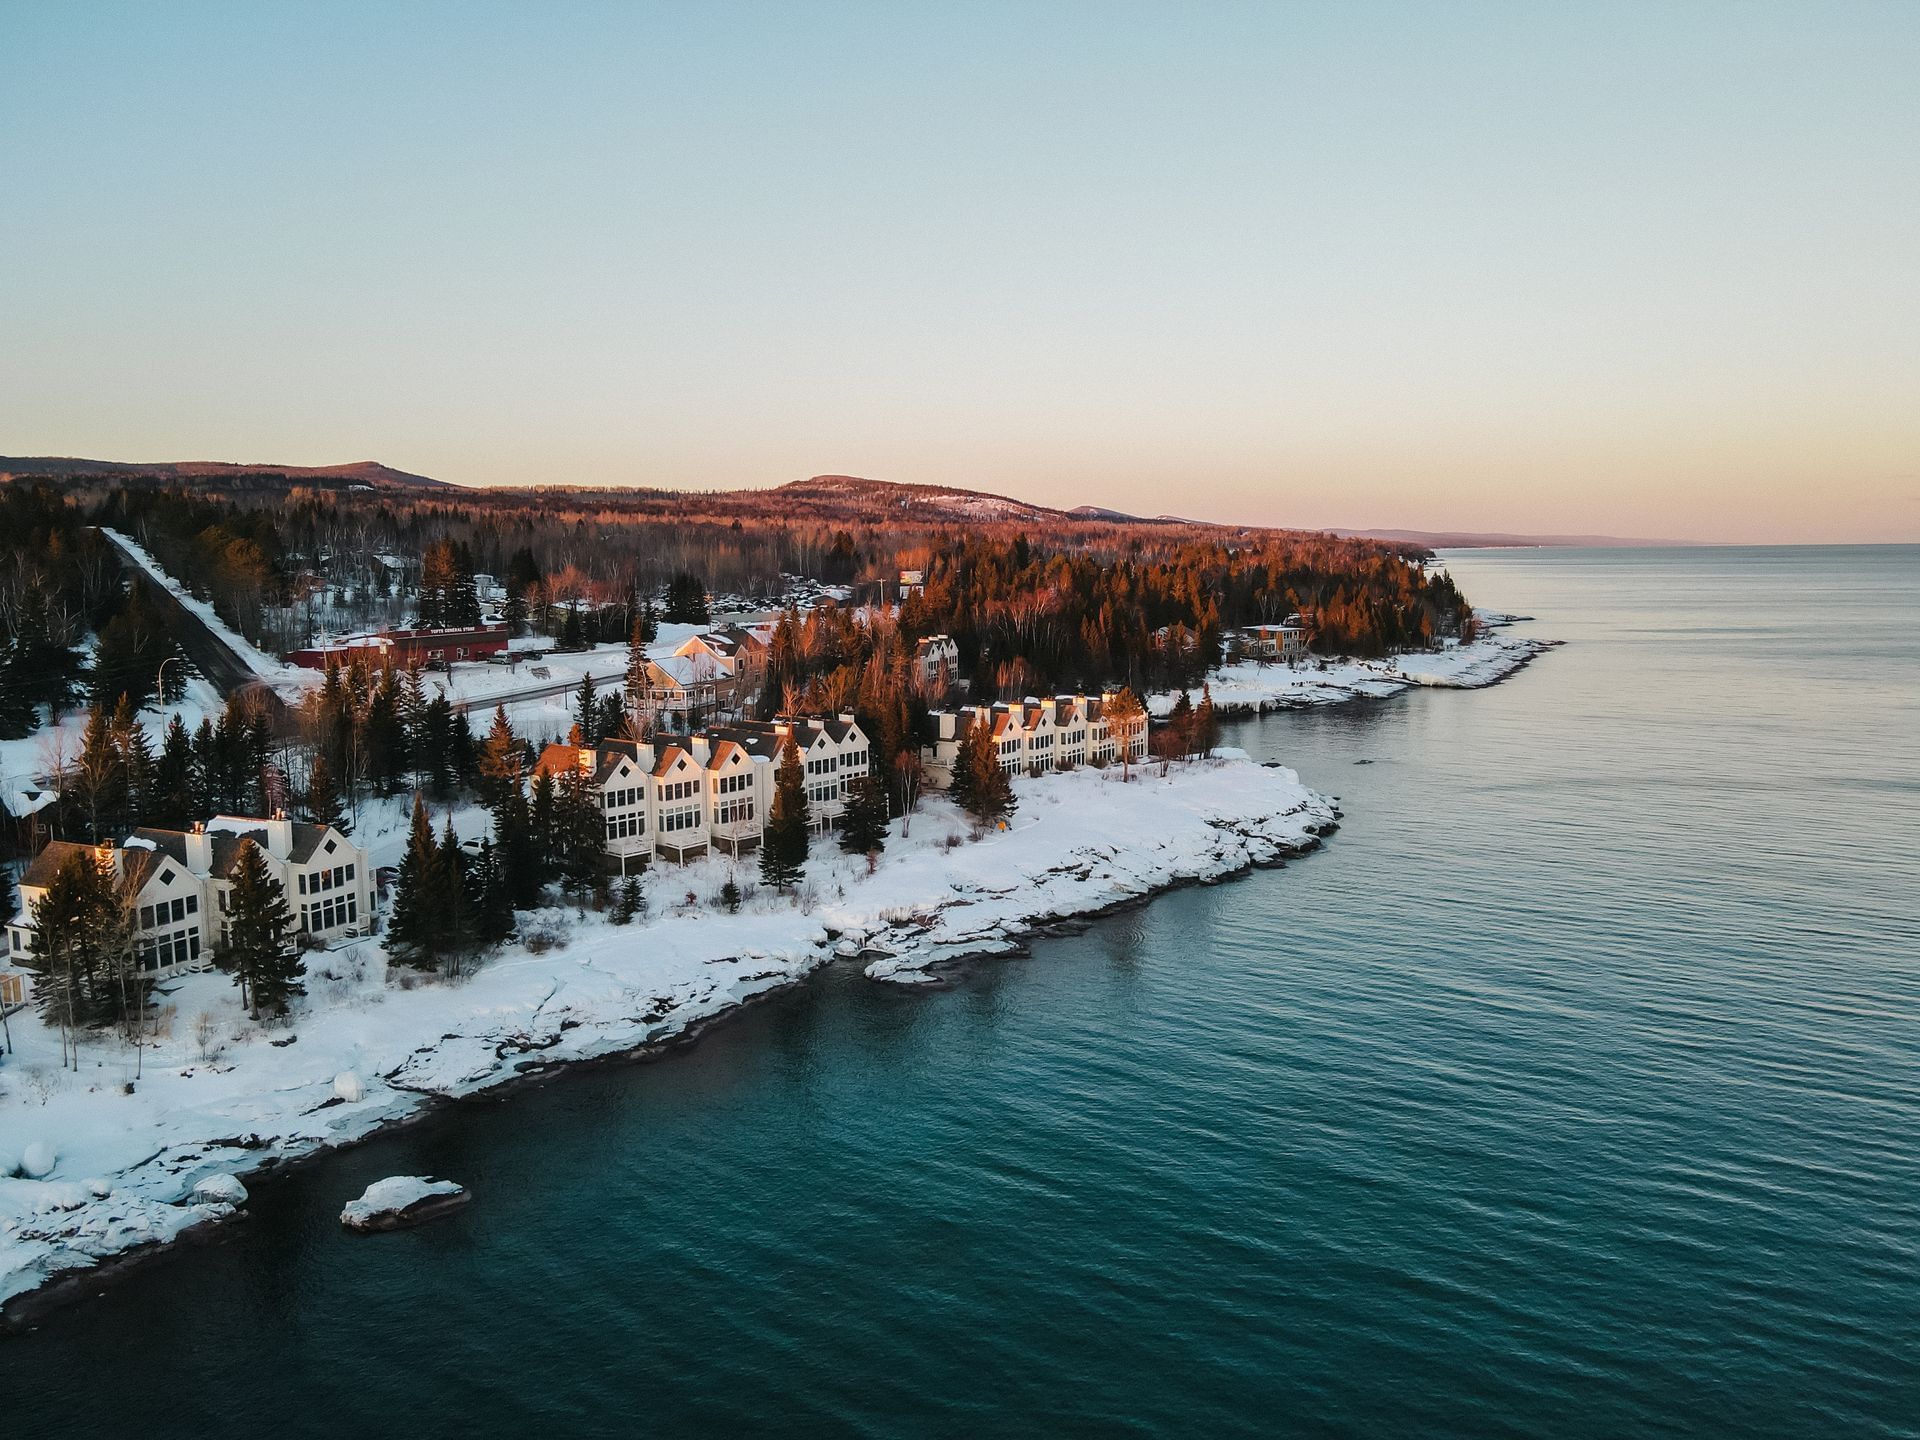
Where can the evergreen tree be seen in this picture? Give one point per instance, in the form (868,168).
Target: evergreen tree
(686,600)
(1180,722)
(80,946)
(258,949)
(730,895)
(783,844)
(461,890)
(1206,724)
(172,804)
(99,778)
(495,894)
(544,825)
(414,926)
(648,623)
(582,836)
(988,794)
(136,759)
(323,796)
(612,722)
(571,635)
(586,711)
(501,757)
(9,896)
(863,828)
(515,854)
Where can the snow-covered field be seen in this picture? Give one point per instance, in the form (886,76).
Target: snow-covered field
(132,1135)
(1250,687)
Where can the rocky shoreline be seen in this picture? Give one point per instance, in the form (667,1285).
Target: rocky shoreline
(945,903)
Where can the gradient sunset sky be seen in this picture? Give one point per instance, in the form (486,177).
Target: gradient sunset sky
(1642,269)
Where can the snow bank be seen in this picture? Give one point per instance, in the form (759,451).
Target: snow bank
(401,1200)
(217,1094)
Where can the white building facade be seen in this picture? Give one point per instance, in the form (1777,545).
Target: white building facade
(178,883)
(1033,736)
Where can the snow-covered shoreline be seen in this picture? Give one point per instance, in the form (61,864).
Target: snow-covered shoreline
(1250,687)
(361,1054)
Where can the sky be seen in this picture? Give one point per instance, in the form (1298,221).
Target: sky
(1640,269)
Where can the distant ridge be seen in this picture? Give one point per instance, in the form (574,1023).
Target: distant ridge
(360,472)
(1494,540)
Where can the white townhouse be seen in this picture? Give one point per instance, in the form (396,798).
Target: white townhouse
(936,659)
(680,797)
(179,882)
(1033,736)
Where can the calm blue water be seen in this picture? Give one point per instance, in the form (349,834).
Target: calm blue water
(1575,1089)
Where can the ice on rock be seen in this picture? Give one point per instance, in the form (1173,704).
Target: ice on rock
(401,1200)
(37,1160)
(347,1086)
(221,1190)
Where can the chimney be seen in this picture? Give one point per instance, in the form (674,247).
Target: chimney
(280,836)
(846,717)
(702,747)
(586,758)
(644,755)
(199,851)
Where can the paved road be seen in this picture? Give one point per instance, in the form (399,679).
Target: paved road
(538,690)
(206,648)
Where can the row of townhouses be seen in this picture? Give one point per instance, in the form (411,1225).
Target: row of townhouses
(679,797)
(179,880)
(1033,736)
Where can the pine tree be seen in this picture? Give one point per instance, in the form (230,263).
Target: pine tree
(586,711)
(9,896)
(100,776)
(323,796)
(988,793)
(460,887)
(79,940)
(172,802)
(783,844)
(259,949)
(571,637)
(544,825)
(501,757)
(637,666)
(612,721)
(686,600)
(582,836)
(514,851)
(1206,724)
(863,828)
(1180,722)
(136,759)
(414,926)
(496,895)
(730,895)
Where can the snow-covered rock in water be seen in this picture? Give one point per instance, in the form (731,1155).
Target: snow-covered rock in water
(37,1160)
(402,1200)
(347,1086)
(221,1190)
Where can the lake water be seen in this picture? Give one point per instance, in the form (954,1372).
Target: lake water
(1574,1089)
